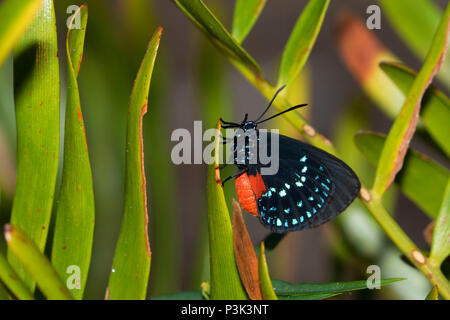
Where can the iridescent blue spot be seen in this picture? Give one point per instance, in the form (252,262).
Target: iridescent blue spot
(299,184)
(294,221)
(321,199)
(326,194)
(278,222)
(298,176)
(300,204)
(308,214)
(282,193)
(264,208)
(273,209)
(273,189)
(302,219)
(287,185)
(287,210)
(321,168)
(316,178)
(269,193)
(319,205)
(316,190)
(310,198)
(303,178)
(268,220)
(325,186)
(262,215)
(314,210)
(305,168)
(328,180)
(303,159)
(286,224)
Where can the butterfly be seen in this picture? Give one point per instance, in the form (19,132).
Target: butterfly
(311,186)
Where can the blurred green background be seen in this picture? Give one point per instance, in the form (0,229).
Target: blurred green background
(192,81)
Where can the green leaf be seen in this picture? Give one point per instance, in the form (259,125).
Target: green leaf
(36,264)
(10,278)
(421,179)
(310,291)
(225,280)
(246,12)
(216,32)
(75,215)
(15,16)
(418,36)
(435,105)
(36,87)
(267,289)
(402,130)
(362,53)
(433,295)
(301,40)
(131,267)
(440,246)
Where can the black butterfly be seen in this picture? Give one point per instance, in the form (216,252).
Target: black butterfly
(311,186)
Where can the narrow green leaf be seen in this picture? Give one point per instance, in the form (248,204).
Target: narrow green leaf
(267,289)
(421,179)
(36,87)
(402,130)
(131,267)
(36,264)
(404,17)
(75,215)
(435,110)
(15,16)
(225,280)
(301,40)
(440,246)
(216,32)
(246,12)
(362,53)
(10,278)
(308,291)
(433,295)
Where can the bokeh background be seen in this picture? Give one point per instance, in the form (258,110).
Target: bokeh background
(192,81)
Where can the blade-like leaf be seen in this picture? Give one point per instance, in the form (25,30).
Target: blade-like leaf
(246,12)
(440,246)
(308,291)
(36,264)
(362,53)
(131,267)
(36,87)
(15,16)
(418,36)
(402,130)
(75,215)
(301,40)
(267,289)
(185,295)
(421,179)
(216,32)
(225,280)
(10,278)
(245,254)
(435,110)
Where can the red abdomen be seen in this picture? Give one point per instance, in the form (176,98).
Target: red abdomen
(249,189)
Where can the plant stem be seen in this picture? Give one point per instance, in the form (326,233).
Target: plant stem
(374,205)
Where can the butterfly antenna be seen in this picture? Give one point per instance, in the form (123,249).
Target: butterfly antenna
(271,101)
(278,114)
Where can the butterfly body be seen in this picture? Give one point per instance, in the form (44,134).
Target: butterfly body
(309,188)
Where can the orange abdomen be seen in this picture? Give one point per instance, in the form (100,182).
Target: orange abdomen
(248,190)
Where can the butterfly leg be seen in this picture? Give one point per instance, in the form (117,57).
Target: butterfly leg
(234,175)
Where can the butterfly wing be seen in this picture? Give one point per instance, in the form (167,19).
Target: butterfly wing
(310,188)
